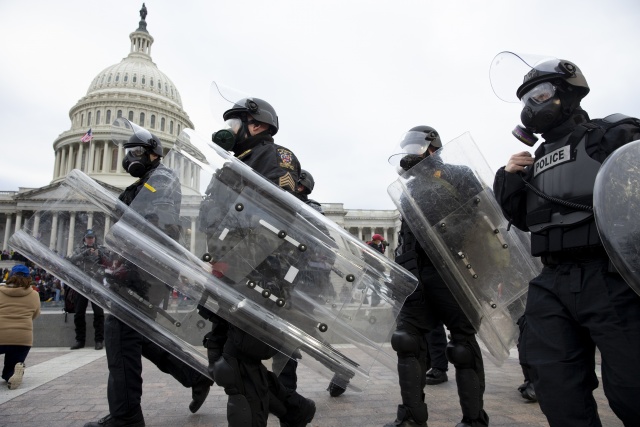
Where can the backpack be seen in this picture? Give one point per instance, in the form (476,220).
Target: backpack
(70,295)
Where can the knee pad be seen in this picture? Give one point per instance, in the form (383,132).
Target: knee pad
(460,355)
(405,343)
(228,376)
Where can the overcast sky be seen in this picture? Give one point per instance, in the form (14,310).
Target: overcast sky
(347,78)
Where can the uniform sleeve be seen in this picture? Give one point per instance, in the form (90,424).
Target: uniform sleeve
(509,190)
(159,200)
(283,169)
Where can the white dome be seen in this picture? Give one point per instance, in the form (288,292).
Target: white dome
(136,72)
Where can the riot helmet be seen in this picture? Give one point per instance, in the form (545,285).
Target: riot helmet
(137,150)
(554,70)
(307,181)
(259,109)
(551,91)
(237,118)
(543,76)
(414,147)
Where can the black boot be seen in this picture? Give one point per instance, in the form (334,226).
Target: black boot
(404,419)
(528,392)
(304,413)
(199,393)
(77,345)
(436,376)
(109,421)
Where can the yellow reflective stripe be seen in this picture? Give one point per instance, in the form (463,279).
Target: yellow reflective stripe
(150,188)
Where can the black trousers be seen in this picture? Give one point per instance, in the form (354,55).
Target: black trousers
(13,354)
(79,319)
(572,308)
(125,347)
(436,346)
(432,304)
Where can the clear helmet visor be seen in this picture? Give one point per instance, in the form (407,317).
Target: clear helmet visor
(122,130)
(234,124)
(540,93)
(508,70)
(134,151)
(414,143)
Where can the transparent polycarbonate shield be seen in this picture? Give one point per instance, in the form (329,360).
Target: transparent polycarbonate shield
(53,239)
(448,203)
(507,72)
(260,258)
(616,203)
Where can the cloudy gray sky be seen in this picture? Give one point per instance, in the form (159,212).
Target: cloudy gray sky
(347,77)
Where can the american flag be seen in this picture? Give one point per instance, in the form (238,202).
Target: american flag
(87,136)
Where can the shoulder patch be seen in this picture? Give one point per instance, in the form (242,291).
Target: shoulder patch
(437,174)
(287,181)
(286,158)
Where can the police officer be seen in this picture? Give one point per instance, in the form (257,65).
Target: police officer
(91,258)
(235,357)
(578,302)
(158,192)
(432,301)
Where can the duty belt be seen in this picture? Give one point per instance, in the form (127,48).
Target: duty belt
(574,255)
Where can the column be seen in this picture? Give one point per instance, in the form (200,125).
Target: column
(192,245)
(72,229)
(391,238)
(79,158)
(62,227)
(89,220)
(18,221)
(106,164)
(120,156)
(36,225)
(92,151)
(7,228)
(107,225)
(70,163)
(56,165)
(63,160)
(54,231)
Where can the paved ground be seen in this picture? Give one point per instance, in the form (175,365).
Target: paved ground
(68,388)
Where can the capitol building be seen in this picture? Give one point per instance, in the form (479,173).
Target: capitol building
(137,90)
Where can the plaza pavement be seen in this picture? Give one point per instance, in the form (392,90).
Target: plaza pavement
(68,388)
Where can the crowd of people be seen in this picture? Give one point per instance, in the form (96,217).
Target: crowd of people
(48,287)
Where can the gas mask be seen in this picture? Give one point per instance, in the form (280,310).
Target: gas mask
(542,110)
(409,161)
(136,161)
(235,130)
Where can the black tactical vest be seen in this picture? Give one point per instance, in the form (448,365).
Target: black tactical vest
(564,171)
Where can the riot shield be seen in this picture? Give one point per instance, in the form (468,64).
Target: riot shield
(448,203)
(616,200)
(52,239)
(272,266)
